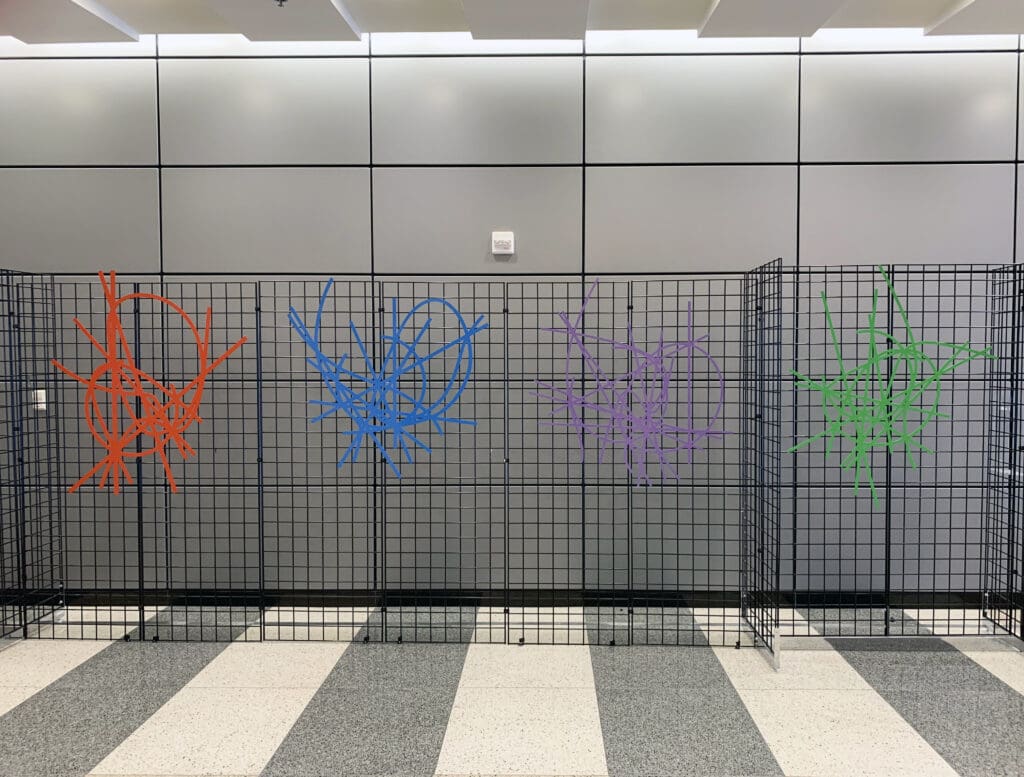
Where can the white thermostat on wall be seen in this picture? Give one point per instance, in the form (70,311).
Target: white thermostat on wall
(503,243)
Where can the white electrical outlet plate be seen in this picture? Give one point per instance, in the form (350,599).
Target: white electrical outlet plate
(503,243)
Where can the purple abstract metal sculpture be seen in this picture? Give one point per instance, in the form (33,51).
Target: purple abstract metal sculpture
(630,411)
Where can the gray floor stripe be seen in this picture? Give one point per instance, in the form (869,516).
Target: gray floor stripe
(861,621)
(383,710)
(673,711)
(419,624)
(74,723)
(971,718)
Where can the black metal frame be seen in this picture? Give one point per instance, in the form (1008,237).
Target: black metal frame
(909,563)
(505,534)
(762,450)
(1004,514)
(31,545)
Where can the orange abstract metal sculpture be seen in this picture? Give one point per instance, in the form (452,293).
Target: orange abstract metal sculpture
(130,413)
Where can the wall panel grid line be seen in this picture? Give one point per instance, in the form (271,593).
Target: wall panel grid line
(524,528)
(184,133)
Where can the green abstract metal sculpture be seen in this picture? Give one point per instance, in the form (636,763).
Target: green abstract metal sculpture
(888,399)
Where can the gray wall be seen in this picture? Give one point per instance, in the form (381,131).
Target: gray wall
(651,153)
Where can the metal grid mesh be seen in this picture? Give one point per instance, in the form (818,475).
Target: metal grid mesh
(510,531)
(762,449)
(30,530)
(906,559)
(1004,527)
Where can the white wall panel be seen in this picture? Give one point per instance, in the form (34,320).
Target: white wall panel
(667,219)
(478,110)
(866,214)
(79,220)
(265,111)
(266,220)
(441,219)
(692,109)
(78,112)
(909,107)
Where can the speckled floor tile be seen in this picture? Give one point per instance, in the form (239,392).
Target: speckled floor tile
(799,670)
(979,734)
(394,667)
(641,667)
(367,731)
(383,709)
(141,666)
(38,663)
(529,666)
(967,714)
(672,711)
(98,705)
(1007,665)
(270,665)
(12,696)
(915,663)
(210,731)
(681,731)
(525,731)
(844,733)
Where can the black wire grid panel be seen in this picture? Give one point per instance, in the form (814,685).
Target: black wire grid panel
(507,531)
(762,450)
(898,399)
(30,496)
(1004,518)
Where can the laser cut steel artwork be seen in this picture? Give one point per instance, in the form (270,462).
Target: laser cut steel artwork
(393,394)
(130,413)
(629,411)
(888,399)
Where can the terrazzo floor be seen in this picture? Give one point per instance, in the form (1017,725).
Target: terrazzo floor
(837,706)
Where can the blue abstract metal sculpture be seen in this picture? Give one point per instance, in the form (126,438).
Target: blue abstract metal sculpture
(392,395)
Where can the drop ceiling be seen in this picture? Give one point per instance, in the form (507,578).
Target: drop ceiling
(82,21)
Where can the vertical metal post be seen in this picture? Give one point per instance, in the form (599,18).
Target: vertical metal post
(55,479)
(1015,551)
(137,327)
(745,485)
(380,464)
(507,474)
(260,502)
(889,327)
(629,497)
(18,452)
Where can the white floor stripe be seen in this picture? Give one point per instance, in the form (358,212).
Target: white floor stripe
(232,716)
(820,717)
(29,665)
(525,711)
